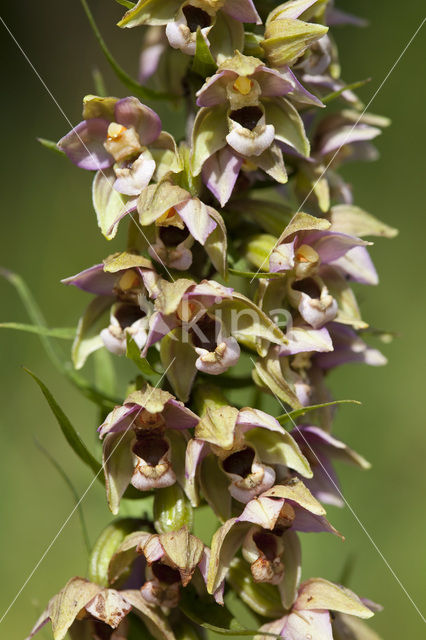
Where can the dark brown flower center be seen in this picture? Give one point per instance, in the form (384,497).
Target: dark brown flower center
(196,17)
(172,236)
(247,117)
(240,462)
(165,574)
(204,334)
(267,544)
(308,286)
(151,449)
(127,314)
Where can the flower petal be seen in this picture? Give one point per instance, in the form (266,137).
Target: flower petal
(84,145)
(130,112)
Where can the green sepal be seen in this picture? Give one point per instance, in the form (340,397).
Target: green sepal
(203,62)
(134,354)
(178,359)
(172,510)
(105,547)
(263,598)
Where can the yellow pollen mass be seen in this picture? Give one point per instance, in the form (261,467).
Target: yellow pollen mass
(305,253)
(115,130)
(170,213)
(243,85)
(129,280)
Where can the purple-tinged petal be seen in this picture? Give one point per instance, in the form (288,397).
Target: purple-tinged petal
(358,265)
(159,326)
(303,339)
(209,292)
(308,522)
(119,419)
(272,82)
(282,258)
(242,10)
(336,17)
(177,416)
(84,145)
(93,280)
(195,215)
(252,418)
(213,92)
(332,245)
(220,173)
(130,112)
(299,92)
(155,44)
(348,347)
(308,624)
(330,85)
(345,135)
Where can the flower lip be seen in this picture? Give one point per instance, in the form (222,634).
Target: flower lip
(247,117)
(205,334)
(308,286)
(240,462)
(267,544)
(126,314)
(173,236)
(165,574)
(196,17)
(150,449)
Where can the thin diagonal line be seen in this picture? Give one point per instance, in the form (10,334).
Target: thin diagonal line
(80,139)
(347,503)
(376,93)
(79,502)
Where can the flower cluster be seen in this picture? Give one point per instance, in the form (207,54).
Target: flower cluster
(243,248)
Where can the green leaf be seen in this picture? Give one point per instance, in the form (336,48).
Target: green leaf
(253,275)
(133,353)
(142,92)
(61,333)
(54,354)
(99,82)
(292,415)
(51,145)
(88,338)
(348,87)
(34,313)
(209,615)
(126,3)
(73,490)
(71,435)
(203,62)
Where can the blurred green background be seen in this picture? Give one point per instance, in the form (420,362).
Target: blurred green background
(49,232)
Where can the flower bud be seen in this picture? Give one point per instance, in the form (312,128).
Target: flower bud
(172,510)
(105,547)
(259,248)
(263,598)
(287,38)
